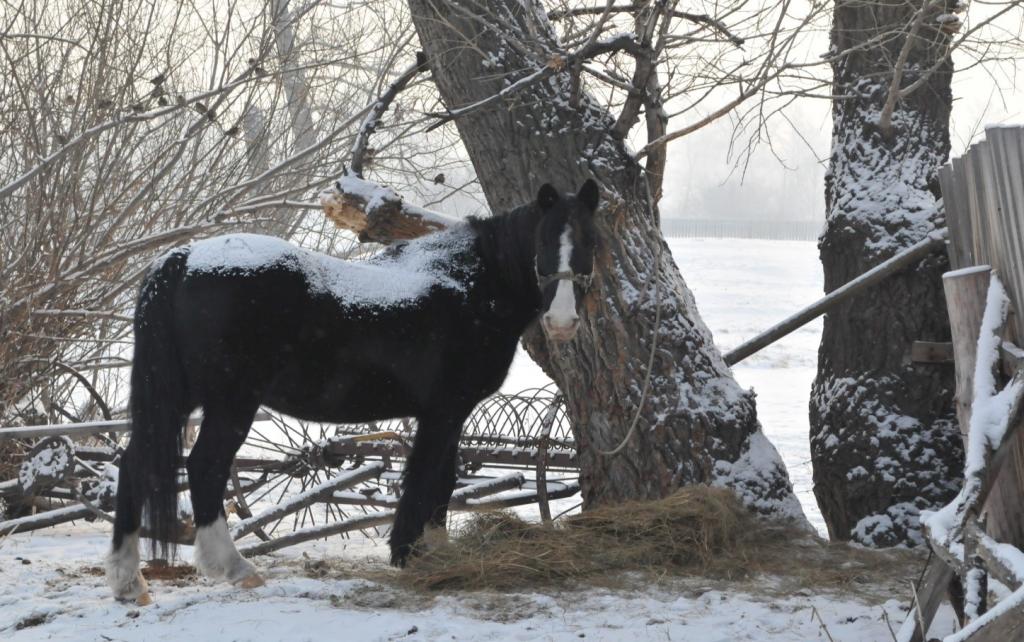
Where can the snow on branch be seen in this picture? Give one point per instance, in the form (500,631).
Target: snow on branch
(376,213)
(697,18)
(381,105)
(556,64)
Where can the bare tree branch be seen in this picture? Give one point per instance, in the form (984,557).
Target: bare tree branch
(377,109)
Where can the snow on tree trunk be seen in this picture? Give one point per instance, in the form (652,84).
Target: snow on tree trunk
(884,441)
(695,423)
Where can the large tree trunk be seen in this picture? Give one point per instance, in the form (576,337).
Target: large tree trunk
(694,424)
(884,442)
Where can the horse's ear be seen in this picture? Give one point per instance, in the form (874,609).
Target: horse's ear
(547,196)
(589,194)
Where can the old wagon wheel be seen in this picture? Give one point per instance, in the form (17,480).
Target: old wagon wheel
(282,458)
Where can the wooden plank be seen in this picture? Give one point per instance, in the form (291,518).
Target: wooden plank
(979,229)
(1012,357)
(987,550)
(989,211)
(859,285)
(965,241)
(958,249)
(1005,452)
(1004,626)
(930,594)
(966,294)
(931,352)
(1007,145)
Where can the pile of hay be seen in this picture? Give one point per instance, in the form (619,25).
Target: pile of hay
(699,529)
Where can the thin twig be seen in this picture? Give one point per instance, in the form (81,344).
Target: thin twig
(885,118)
(821,622)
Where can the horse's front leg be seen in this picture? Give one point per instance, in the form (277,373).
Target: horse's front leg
(224,428)
(427,483)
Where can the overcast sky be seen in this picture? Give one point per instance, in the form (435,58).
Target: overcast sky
(702,182)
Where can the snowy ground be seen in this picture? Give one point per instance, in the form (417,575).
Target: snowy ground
(51,587)
(742,288)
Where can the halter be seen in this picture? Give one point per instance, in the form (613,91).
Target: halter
(582,280)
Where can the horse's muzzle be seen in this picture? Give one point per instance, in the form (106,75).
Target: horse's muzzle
(562,330)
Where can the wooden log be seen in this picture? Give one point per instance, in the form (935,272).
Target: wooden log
(485,487)
(377,214)
(44,519)
(966,292)
(556,490)
(311,496)
(319,532)
(859,285)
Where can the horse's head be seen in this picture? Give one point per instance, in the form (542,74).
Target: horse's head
(565,256)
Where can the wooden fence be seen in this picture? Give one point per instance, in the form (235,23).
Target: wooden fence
(741,229)
(983,192)
(981,532)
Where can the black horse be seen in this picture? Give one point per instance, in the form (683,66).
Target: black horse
(426,329)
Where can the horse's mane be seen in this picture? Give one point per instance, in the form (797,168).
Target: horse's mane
(506,243)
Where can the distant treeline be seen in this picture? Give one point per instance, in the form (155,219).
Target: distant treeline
(742,229)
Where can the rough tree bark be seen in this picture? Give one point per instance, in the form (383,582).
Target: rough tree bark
(694,424)
(884,441)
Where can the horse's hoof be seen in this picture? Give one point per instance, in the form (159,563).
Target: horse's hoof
(252,581)
(132,590)
(144,600)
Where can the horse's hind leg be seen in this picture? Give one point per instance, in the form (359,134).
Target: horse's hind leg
(222,432)
(122,563)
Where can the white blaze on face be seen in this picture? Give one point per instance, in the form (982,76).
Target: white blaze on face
(561,318)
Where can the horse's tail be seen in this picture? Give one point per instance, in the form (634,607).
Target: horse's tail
(158,406)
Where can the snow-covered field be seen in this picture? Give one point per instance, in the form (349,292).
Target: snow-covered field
(743,287)
(51,587)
